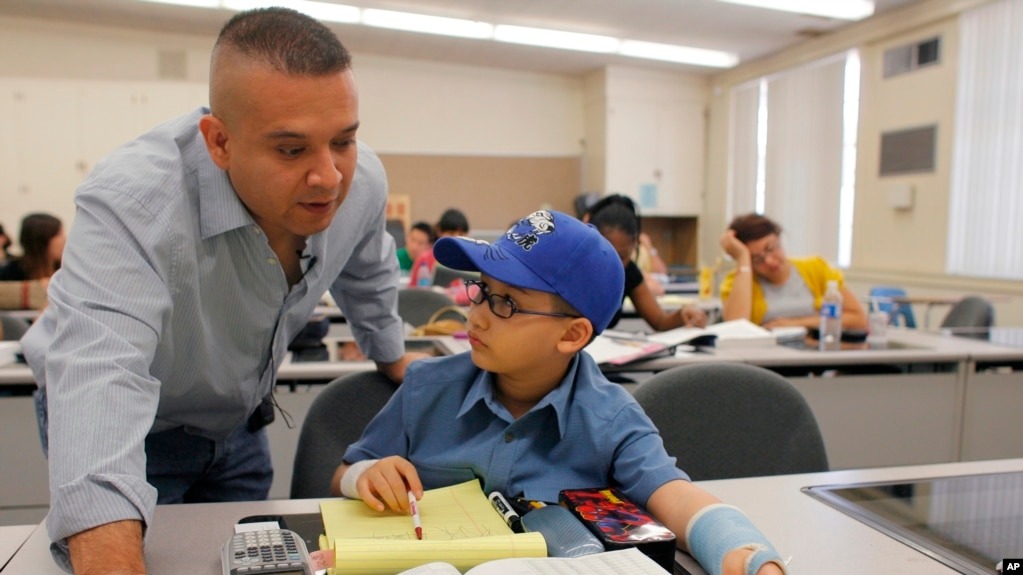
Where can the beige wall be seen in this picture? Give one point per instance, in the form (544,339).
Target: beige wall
(71,93)
(901,247)
(429,108)
(886,240)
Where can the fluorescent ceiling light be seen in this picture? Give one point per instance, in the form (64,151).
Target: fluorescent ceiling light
(426,24)
(841,9)
(542,37)
(556,39)
(193,3)
(325,11)
(680,54)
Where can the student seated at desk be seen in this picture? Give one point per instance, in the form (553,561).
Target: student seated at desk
(529,414)
(42,242)
(419,239)
(617,219)
(5,246)
(452,223)
(763,289)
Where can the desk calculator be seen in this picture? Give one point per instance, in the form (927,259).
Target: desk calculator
(269,552)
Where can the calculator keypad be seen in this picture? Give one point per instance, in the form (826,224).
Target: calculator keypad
(256,551)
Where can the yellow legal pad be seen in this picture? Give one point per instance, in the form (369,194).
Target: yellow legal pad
(459,527)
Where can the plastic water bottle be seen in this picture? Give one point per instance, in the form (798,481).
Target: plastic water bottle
(424,276)
(831,318)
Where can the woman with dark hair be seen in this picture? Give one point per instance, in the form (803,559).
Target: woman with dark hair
(763,287)
(42,243)
(5,245)
(616,218)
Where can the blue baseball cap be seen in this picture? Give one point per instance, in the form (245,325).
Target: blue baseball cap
(552,252)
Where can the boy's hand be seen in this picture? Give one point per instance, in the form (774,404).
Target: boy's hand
(387,483)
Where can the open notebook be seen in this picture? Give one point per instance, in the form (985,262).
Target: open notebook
(630,561)
(459,527)
(619,348)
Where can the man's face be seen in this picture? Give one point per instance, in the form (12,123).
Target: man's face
(288,145)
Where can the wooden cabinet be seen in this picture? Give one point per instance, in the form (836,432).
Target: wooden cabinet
(675,239)
(645,139)
(655,155)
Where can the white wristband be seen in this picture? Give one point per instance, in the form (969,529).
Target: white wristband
(350,480)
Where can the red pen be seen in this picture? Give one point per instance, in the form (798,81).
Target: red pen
(415,515)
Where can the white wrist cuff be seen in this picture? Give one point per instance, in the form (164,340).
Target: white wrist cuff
(350,480)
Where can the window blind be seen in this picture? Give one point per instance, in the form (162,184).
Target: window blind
(985,238)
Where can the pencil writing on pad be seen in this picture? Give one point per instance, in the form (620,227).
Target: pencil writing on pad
(416,522)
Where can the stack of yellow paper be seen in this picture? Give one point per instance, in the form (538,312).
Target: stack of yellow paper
(459,527)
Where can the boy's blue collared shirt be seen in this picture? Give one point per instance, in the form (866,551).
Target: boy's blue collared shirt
(587,432)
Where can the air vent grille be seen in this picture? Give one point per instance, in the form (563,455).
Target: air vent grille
(909,57)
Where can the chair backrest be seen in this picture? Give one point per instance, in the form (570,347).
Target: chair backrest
(416,305)
(443,276)
(336,419)
(899,314)
(971,311)
(13,327)
(397,230)
(725,420)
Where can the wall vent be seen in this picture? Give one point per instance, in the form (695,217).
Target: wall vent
(909,57)
(908,151)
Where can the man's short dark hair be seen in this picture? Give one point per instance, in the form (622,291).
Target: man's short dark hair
(287,40)
(453,220)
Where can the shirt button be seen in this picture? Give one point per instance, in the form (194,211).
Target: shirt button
(271,261)
(508,437)
(256,230)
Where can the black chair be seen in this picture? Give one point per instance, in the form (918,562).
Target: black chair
(725,420)
(13,327)
(971,311)
(397,230)
(336,419)
(444,276)
(417,305)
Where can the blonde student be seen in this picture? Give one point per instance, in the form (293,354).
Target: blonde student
(527,412)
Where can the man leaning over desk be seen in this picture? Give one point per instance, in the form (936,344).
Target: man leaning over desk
(197,253)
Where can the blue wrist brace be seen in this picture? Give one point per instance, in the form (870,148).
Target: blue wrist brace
(719,529)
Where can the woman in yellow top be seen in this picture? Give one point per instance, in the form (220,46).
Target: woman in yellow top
(763,287)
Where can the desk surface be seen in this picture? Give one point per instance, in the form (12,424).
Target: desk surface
(917,346)
(11,539)
(187,538)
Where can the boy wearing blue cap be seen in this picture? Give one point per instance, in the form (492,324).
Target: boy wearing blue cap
(527,413)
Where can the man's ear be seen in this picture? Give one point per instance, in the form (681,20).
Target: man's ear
(214,133)
(576,336)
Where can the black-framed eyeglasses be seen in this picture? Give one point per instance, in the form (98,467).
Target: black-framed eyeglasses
(501,305)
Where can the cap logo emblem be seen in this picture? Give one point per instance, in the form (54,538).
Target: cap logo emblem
(538,223)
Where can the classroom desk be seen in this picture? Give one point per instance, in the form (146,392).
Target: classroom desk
(12,537)
(934,400)
(188,538)
(305,371)
(929,399)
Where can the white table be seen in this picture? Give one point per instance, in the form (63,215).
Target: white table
(188,538)
(12,537)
